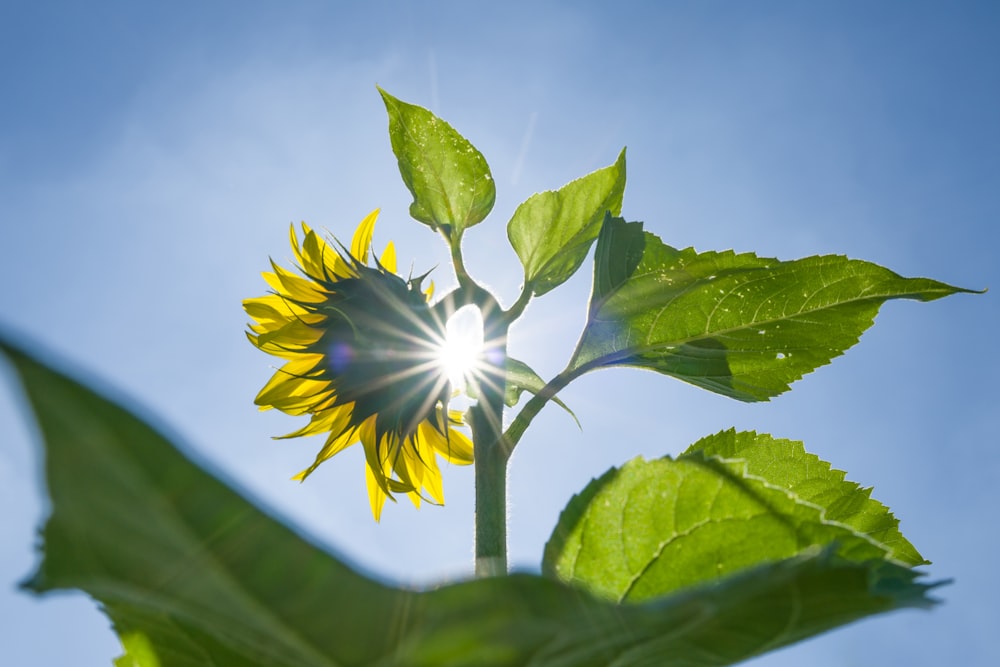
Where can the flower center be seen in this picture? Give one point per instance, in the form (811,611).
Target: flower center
(380,347)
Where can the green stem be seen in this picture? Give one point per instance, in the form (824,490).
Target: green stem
(490,451)
(534,405)
(486,419)
(491,494)
(493,448)
(465,281)
(517,309)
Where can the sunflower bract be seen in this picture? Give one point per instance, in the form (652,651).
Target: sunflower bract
(361,347)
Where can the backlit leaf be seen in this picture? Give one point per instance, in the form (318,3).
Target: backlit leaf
(733,501)
(737,324)
(552,231)
(520,377)
(786,464)
(449,179)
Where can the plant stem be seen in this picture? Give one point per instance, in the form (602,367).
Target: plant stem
(534,405)
(491,496)
(486,417)
(490,449)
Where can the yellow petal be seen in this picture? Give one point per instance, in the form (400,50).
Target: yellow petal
(293,334)
(373,457)
(388,259)
(293,240)
(336,267)
(294,403)
(272,308)
(314,249)
(432,474)
(289,390)
(397,462)
(399,487)
(412,465)
(284,351)
(455,447)
(362,240)
(298,288)
(331,420)
(376,494)
(460,448)
(334,444)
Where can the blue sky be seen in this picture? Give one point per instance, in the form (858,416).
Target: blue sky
(152,157)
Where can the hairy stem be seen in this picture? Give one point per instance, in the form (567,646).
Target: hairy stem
(486,419)
(465,281)
(491,495)
(490,451)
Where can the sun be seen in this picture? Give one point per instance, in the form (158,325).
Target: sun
(460,353)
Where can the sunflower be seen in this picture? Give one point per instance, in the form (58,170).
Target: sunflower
(362,357)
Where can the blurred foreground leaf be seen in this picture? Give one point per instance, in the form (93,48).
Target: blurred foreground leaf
(192,574)
(736,324)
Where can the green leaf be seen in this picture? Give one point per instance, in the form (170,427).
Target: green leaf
(786,464)
(139,652)
(736,324)
(192,574)
(178,557)
(651,528)
(449,179)
(521,378)
(553,231)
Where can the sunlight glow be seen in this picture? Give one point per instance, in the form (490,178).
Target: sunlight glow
(459,355)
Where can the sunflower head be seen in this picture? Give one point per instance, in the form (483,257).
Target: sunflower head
(361,347)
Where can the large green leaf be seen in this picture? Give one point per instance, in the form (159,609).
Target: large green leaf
(786,464)
(552,231)
(192,574)
(449,179)
(651,528)
(737,324)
